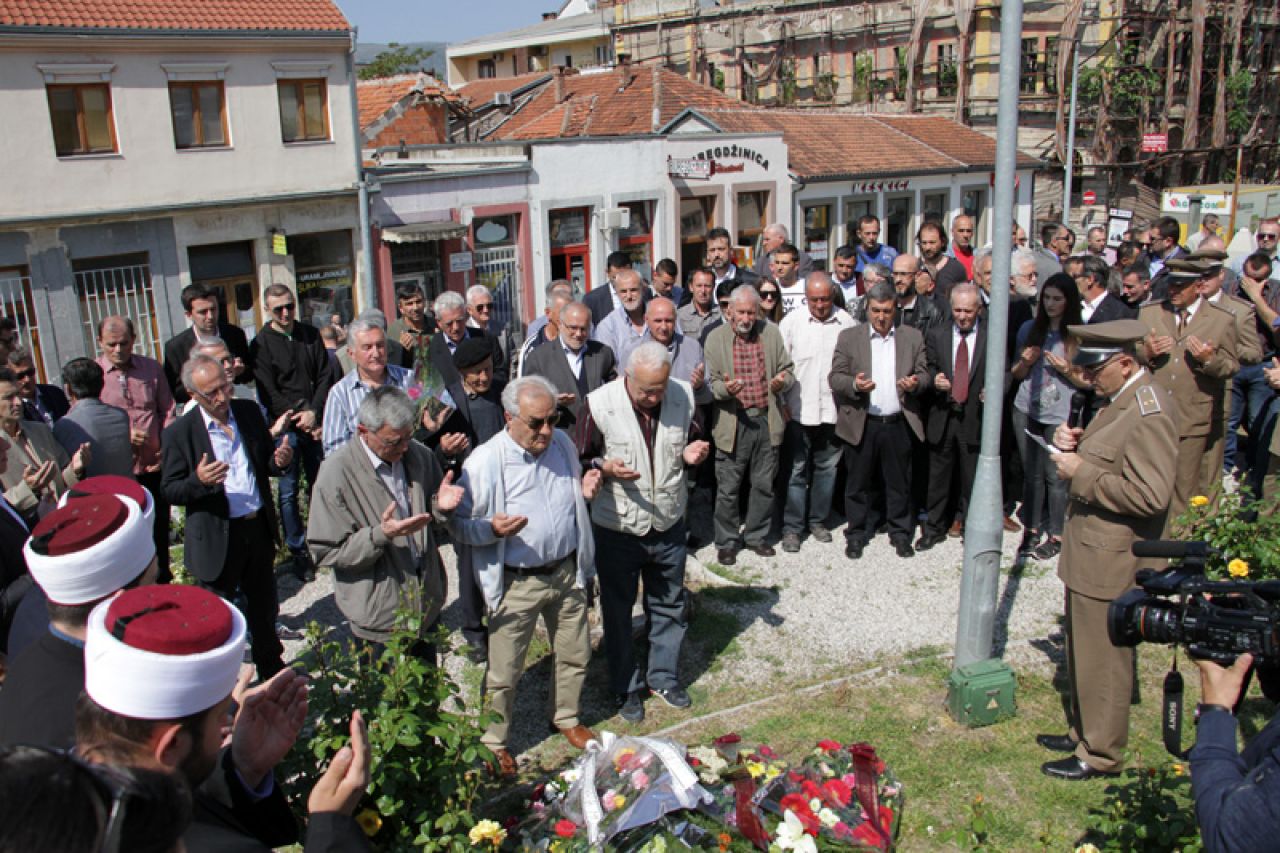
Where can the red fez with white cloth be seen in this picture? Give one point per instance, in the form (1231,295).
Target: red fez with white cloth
(163,652)
(113,484)
(89,549)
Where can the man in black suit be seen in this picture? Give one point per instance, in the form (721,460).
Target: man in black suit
(603,301)
(217,462)
(1096,304)
(451,318)
(720,259)
(574,364)
(45,404)
(953,428)
(200,304)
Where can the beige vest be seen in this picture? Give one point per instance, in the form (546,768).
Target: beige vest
(657,499)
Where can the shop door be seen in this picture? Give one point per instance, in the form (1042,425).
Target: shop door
(498,270)
(237,302)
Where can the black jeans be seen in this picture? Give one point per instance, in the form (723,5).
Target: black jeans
(248,571)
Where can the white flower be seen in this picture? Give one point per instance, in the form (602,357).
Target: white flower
(573,774)
(828,818)
(791,835)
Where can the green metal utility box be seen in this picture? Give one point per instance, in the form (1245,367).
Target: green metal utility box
(981,693)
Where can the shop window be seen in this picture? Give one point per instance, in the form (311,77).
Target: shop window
(494,231)
(324,275)
(753,211)
(896,231)
(199,114)
(16,302)
(570,246)
(304,110)
(817,233)
(1030,66)
(82,120)
(697,217)
(418,263)
(935,207)
(855,209)
(637,239)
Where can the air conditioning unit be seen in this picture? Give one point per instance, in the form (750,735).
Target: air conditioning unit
(502,99)
(614,218)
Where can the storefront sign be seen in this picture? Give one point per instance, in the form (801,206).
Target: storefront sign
(1181,203)
(689,168)
(460,262)
(732,152)
(1118,222)
(862,187)
(279,244)
(1155,143)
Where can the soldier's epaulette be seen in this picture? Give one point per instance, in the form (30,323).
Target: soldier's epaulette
(1218,307)
(1148,402)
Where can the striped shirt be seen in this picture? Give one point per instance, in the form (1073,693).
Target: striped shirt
(345,399)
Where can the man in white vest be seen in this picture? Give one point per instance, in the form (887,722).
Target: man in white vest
(637,432)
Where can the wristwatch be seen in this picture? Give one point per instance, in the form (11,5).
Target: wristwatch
(1209,706)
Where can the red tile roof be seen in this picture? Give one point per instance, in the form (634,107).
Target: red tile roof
(480,92)
(828,145)
(618,102)
(213,15)
(377,96)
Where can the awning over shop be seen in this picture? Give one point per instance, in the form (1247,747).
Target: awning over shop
(424,232)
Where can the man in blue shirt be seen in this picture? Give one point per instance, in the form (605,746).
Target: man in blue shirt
(870,249)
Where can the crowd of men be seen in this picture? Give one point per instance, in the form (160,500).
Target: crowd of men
(573,455)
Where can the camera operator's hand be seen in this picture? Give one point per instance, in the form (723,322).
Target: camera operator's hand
(1221,685)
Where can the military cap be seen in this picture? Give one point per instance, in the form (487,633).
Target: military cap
(1100,341)
(1215,257)
(1185,271)
(471,352)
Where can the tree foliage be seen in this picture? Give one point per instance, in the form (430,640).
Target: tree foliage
(397,59)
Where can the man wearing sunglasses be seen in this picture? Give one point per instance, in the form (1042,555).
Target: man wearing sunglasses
(45,403)
(293,374)
(1120,482)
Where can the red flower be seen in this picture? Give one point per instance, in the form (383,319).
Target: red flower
(811,790)
(566,828)
(725,740)
(767,752)
(693,762)
(830,746)
(794,778)
(837,791)
(799,806)
(511,823)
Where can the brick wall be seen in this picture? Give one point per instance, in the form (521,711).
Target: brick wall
(424,124)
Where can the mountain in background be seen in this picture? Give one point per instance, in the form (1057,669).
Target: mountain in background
(367,51)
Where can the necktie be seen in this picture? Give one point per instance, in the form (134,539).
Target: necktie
(1182,319)
(960,384)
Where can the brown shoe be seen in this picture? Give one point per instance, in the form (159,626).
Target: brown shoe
(1010,525)
(957,529)
(578,736)
(505,764)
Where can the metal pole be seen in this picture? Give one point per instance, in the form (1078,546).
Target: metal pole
(1235,193)
(984,524)
(1071,131)
(364,293)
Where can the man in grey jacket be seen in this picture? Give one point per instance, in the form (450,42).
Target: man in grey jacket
(371,514)
(104,428)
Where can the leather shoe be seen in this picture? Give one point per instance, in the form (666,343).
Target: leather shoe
(791,543)
(1074,770)
(820,533)
(904,550)
(504,764)
(1011,525)
(957,529)
(853,549)
(762,550)
(927,541)
(726,556)
(631,707)
(1057,743)
(578,736)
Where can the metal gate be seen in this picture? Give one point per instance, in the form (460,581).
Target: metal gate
(125,291)
(498,270)
(16,301)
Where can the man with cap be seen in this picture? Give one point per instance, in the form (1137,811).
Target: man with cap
(160,683)
(217,463)
(371,515)
(31,621)
(1120,483)
(1190,348)
(1249,352)
(79,554)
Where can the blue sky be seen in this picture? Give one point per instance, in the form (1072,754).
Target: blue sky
(382,21)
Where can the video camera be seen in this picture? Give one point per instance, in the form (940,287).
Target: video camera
(1215,620)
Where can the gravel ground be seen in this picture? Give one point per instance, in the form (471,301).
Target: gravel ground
(793,619)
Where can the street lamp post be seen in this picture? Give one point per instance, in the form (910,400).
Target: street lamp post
(1090,8)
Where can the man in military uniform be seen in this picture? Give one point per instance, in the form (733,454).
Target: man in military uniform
(1120,482)
(1190,348)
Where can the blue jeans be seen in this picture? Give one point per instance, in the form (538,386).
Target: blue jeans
(1260,443)
(307,454)
(622,561)
(1045,494)
(807,445)
(1250,397)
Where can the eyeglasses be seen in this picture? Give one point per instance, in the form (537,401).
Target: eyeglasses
(288,306)
(24,374)
(1268,236)
(771,295)
(483,306)
(536,424)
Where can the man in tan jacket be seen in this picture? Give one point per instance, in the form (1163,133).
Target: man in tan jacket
(1190,349)
(371,514)
(37,470)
